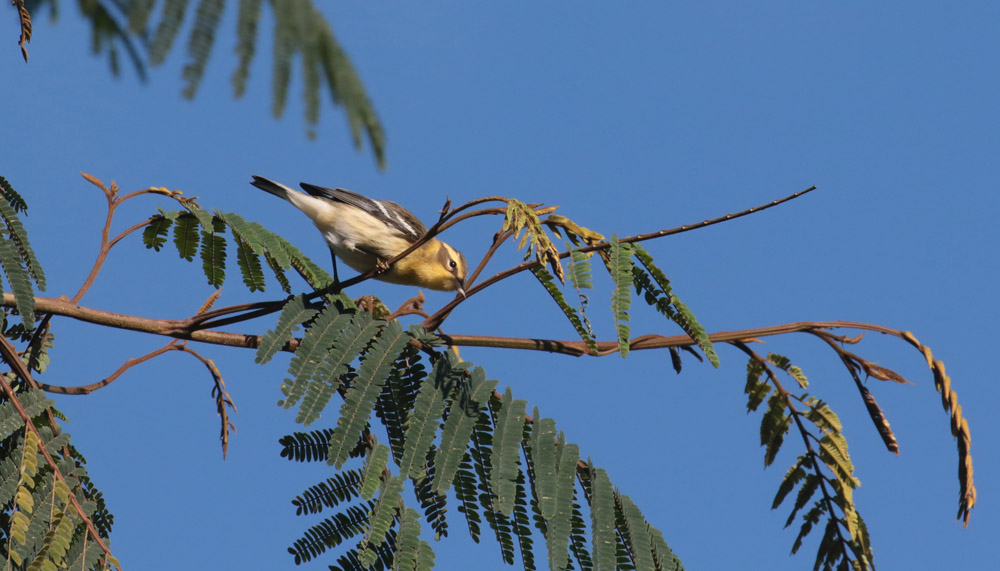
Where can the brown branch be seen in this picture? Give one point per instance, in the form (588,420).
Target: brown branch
(10,356)
(87,389)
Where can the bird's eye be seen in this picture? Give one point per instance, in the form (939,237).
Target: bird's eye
(452,264)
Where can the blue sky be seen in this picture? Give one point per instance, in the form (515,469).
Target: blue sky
(633,119)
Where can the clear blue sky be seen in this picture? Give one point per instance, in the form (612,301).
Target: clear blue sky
(631,117)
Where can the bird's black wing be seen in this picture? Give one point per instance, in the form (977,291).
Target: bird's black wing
(392,214)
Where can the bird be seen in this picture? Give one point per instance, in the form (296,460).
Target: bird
(365,233)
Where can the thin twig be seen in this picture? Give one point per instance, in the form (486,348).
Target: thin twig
(435,320)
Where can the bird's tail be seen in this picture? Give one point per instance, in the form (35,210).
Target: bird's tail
(275,188)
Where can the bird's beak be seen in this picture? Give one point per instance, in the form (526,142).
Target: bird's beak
(461,288)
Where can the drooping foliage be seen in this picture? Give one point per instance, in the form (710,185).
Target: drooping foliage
(448,429)
(146,31)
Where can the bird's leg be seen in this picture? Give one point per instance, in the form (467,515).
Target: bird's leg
(381,266)
(333,258)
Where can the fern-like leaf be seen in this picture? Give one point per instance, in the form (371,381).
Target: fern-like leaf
(249,264)
(329,493)
(331,532)
(293,313)
(602,521)
(200,42)
(412,553)
(620,266)
(506,450)
(213,254)
(774,426)
(558,526)
(378,459)
(17,276)
(360,398)
(549,284)
(246,40)
(462,415)
(382,517)
(309,361)
(396,401)
(166,32)
(681,314)
(19,236)
(12,197)
(306,446)
(465,493)
(428,409)
(346,347)
(154,236)
(186,235)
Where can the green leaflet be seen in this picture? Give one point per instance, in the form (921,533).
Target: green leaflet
(756,389)
(249,264)
(792,478)
(785,364)
(331,532)
(347,345)
(580,278)
(139,13)
(246,40)
(428,408)
(306,446)
(186,235)
(200,43)
(521,524)
(602,521)
(679,313)
(300,29)
(17,276)
(360,397)
(12,197)
(314,275)
(395,403)
(19,236)
(154,236)
(543,456)
(773,427)
(308,363)
(558,526)
(412,553)
(578,538)
(213,254)
(620,267)
(506,450)
(166,32)
(381,519)
(636,534)
(329,493)
(292,314)
(546,280)
(378,459)
(435,506)
(465,493)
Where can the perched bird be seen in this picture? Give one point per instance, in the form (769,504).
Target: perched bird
(365,233)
